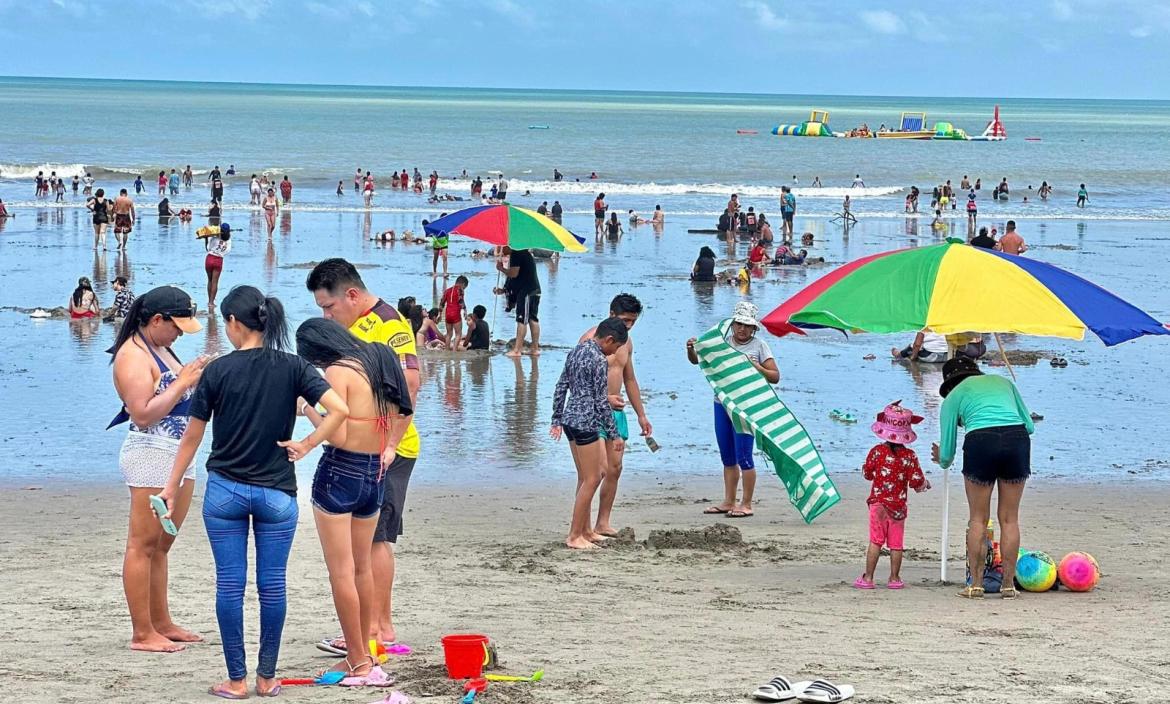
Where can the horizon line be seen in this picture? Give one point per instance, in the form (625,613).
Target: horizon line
(560,90)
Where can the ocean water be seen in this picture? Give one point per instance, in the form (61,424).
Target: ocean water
(484,419)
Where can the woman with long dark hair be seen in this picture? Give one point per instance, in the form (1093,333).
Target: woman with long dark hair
(155,388)
(100,207)
(704,268)
(348,487)
(83,303)
(252,395)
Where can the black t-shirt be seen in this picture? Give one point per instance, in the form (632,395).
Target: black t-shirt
(525,281)
(724,222)
(251,398)
(481,335)
(984,241)
(164,207)
(556,210)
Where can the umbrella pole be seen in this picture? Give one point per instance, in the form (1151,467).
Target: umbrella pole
(495,304)
(946,498)
(1003,356)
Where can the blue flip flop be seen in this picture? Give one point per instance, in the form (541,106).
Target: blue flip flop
(160,509)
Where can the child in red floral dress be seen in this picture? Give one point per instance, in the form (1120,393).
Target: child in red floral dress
(892,467)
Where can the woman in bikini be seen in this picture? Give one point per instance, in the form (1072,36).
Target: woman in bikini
(271,206)
(348,486)
(428,335)
(155,388)
(84,303)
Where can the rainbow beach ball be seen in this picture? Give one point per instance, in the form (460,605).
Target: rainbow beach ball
(1078,572)
(1035,571)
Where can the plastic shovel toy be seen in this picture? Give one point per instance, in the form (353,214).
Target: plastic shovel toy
(536,677)
(326,678)
(473,687)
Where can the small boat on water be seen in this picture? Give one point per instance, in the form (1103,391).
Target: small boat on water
(913,126)
(747,131)
(538,127)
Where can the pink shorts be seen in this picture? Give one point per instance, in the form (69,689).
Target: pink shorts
(883,529)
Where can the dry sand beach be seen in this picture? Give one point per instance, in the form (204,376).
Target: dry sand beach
(695,617)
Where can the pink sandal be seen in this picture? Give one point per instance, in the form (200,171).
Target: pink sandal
(862,583)
(895,584)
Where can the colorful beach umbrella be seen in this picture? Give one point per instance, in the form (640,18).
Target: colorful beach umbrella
(518,228)
(952,288)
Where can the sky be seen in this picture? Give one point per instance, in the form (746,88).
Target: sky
(1013,48)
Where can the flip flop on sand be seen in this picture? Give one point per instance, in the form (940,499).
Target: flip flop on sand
(862,583)
(377,677)
(895,584)
(274,692)
(736,513)
(823,691)
(219,691)
(713,510)
(778,689)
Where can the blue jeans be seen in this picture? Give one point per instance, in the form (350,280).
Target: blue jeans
(227,508)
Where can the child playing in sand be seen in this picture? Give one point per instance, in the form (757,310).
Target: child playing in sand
(453,305)
(892,467)
(580,411)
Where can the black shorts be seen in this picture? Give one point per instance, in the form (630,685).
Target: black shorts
(580,437)
(997,454)
(500,195)
(788,216)
(528,309)
(393,499)
(217,194)
(599,214)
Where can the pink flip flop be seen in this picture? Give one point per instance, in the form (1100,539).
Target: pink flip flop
(896,584)
(862,583)
(376,678)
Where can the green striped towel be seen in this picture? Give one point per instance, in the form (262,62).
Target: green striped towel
(755,409)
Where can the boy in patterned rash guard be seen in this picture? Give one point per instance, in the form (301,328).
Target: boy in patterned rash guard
(580,408)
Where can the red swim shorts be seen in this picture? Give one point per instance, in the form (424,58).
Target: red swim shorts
(213,263)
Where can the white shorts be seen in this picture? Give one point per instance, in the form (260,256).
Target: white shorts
(146,460)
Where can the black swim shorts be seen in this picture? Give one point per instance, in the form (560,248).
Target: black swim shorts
(997,454)
(580,437)
(393,499)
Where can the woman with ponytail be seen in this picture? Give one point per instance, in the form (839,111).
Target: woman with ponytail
(251,397)
(348,487)
(155,388)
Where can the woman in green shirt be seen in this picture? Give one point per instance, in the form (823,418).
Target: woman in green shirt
(996,452)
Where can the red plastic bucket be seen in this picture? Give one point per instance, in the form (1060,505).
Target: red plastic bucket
(465,654)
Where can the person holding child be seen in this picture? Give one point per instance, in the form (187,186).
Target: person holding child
(892,467)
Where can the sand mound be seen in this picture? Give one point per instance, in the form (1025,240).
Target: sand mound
(714,538)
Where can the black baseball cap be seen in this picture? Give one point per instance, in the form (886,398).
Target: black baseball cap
(173,304)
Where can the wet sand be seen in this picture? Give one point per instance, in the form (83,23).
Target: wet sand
(629,623)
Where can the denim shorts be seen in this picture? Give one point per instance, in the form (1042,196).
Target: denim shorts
(347,482)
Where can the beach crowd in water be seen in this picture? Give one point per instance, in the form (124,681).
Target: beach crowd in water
(353,374)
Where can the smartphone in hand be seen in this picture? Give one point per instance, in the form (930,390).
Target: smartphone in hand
(160,509)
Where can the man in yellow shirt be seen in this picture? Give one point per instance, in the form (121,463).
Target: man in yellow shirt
(342,296)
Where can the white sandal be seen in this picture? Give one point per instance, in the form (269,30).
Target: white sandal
(778,689)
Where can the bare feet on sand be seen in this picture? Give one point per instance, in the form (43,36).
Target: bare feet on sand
(580,544)
(513,353)
(179,634)
(597,538)
(156,643)
(606,530)
(534,351)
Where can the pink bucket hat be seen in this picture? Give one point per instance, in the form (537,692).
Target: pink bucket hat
(894,424)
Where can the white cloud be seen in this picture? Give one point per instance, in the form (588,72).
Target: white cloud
(510,10)
(926,29)
(248,9)
(73,7)
(365,8)
(1061,10)
(1141,32)
(766,17)
(883,22)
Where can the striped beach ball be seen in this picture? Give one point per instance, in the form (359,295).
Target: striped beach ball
(1078,572)
(1035,571)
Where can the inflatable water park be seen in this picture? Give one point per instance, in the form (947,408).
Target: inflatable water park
(913,125)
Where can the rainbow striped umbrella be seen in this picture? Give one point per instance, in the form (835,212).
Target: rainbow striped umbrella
(952,288)
(518,228)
